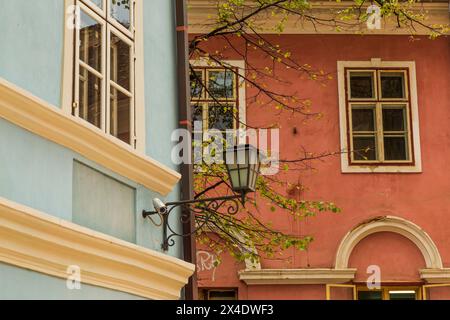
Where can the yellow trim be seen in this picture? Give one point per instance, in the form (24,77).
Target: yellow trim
(33,240)
(41,118)
(203,13)
(385,291)
(427,286)
(350,286)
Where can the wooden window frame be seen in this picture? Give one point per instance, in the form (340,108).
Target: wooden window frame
(204,101)
(379,103)
(433,285)
(109,26)
(385,291)
(328,288)
(205,293)
(376,66)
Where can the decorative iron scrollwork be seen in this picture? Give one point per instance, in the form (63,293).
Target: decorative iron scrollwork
(190,209)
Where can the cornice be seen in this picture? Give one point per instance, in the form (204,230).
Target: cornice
(39,117)
(36,241)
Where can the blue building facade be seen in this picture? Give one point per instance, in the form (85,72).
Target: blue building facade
(88,102)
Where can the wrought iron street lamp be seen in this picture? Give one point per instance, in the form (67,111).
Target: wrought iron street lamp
(243,164)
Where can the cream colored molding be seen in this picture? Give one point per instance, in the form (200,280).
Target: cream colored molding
(378,63)
(389,224)
(435,275)
(202,14)
(33,240)
(296,276)
(140,77)
(68,59)
(33,114)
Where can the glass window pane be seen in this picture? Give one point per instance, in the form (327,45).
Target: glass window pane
(120,115)
(361,85)
(197,112)
(221,84)
(91,42)
(393,85)
(402,295)
(395,148)
(370,295)
(363,119)
(120,11)
(120,62)
(196,84)
(90,99)
(394,119)
(364,148)
(222,295)
(98,3)
(221,117)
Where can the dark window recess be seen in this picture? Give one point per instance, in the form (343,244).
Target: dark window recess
(361,85)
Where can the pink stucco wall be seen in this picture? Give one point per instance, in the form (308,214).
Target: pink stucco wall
(422,198)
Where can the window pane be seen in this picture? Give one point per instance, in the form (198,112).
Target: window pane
(98,3)
(364,148)
(90,98)
(363,119)
(120,62)
(395,148)
(221,117)
(402,295)
(222,295)
(120,115)
(197,112)
(370,295)
(393,85)
(221,84)
(120,11)
(361,85)
(91,42)
(394,119)
(196,84)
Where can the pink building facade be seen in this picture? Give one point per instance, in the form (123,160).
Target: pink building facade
(392,95)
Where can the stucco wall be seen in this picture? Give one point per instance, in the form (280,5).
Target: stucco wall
(21,284)
(422,198)
(39,173)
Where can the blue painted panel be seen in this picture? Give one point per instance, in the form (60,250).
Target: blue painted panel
(21,284)
(35,172)
(31,37)
(103,203)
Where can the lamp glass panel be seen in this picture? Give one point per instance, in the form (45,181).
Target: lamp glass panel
(234,176)
(244,171)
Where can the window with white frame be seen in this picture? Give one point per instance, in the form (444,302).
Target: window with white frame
(215,98)
(379,116)
(104,68)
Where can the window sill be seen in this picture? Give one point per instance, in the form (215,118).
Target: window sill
(39,117)
(374,168)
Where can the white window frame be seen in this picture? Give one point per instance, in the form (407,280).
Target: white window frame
(242,112)
(413,165)
(134,37)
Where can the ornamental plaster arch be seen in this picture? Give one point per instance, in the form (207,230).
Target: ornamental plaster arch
(389,224)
